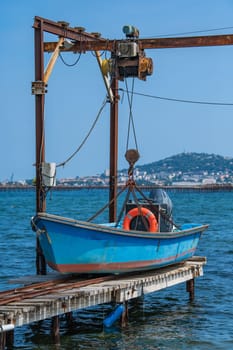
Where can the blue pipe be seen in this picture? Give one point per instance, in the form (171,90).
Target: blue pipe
(114,315)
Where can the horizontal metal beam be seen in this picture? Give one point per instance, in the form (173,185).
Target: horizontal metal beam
(198,41)
(84,45)
(93,42)
(62,29)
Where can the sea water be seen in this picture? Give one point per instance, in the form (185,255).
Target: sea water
(161,320)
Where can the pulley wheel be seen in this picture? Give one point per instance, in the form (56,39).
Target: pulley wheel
(132,156)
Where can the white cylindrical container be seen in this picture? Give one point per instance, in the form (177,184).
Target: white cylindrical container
(6,327)
(48,172)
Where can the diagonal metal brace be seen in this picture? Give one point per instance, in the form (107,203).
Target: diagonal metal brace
(52,60)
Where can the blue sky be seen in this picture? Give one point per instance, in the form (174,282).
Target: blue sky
(75,94)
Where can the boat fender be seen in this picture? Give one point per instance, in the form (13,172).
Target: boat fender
(153,224)
(114,315)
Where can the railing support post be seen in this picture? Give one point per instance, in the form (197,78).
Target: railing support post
(56,330)
(190,289)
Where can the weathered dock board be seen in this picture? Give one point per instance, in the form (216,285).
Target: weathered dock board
(118,289)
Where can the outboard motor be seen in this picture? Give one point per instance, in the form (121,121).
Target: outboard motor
(159,196)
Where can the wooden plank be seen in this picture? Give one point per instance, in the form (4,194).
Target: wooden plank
(118,290)
(30,279)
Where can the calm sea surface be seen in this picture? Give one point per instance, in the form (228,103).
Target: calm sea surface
(162,320)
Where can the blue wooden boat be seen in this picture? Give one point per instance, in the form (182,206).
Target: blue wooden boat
(72,246)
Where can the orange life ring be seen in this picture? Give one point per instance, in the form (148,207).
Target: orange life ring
(153,224)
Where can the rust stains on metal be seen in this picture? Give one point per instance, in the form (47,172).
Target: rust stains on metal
(156,43)
(44,288)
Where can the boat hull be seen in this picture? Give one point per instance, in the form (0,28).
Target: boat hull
(71,246)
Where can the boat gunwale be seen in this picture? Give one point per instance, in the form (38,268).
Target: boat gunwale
(118,231)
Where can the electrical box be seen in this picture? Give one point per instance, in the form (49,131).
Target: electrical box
(127,49)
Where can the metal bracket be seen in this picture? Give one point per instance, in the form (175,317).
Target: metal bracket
(39,87)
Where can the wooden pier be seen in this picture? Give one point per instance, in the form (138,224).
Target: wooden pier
(227,187)
(49,296)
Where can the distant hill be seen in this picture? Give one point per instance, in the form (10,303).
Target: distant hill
(190,163)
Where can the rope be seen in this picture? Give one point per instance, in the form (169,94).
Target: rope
(107,205)
(123,207)
(131,120)
(181,100)
(165,216)
(86,137)
(193,32)
(139,205)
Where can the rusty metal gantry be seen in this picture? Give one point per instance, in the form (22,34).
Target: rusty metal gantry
(81,43)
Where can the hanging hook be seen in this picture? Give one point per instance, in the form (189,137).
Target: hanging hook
(132,156)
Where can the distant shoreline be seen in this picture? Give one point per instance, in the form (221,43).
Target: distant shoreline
(179,188)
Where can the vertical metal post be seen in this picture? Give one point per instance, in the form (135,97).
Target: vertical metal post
(113,152)
(56,330)
(69,319)
(190,289)
(10,339)
(40,138)
(125,315)
(2,340)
